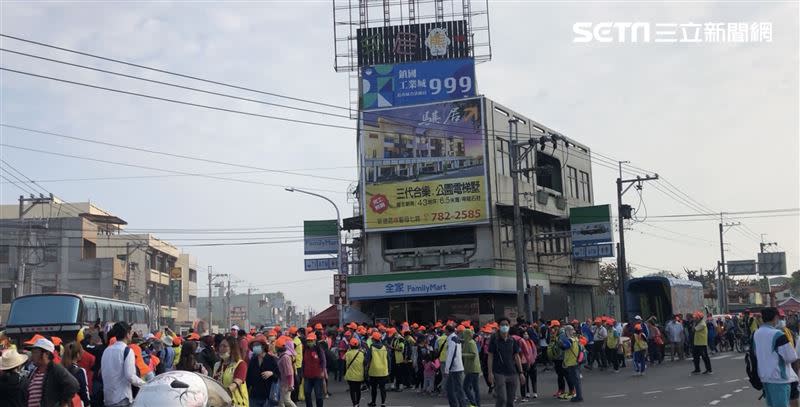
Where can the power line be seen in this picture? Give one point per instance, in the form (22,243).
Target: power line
(172,73)
(183,156)
(158,169)
(174,85)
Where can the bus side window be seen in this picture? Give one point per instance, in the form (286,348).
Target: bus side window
(90,311)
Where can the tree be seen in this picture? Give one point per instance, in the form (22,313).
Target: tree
(609,279)
(794,282)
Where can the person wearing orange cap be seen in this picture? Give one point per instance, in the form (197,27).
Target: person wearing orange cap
(262,371)
(297,340)
(314,370)
(613,345)
(355,362)
(555,353)
(378,369)
(599,334)
(286,369)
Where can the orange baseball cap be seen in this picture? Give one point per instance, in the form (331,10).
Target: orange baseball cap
(361,330)
(555,322)
(575,321)
(311,337)
(56,340)
(637,327)
(391,331)
(421,327)
(176,341)
(293,330)
(438,324)
(461,328)
(467,323)
(194,337)
(415,325)
(352,325)
(281,342)
(318,326)
(348,334)
(33,340)
(277,328)
(376,336)
(353,342)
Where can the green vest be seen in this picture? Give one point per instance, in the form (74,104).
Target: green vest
(379,364)
(639,343)
(701,334)
(571,354)
(355,368)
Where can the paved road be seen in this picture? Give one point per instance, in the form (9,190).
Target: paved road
(670,384)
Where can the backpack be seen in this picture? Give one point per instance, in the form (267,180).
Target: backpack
(751,362)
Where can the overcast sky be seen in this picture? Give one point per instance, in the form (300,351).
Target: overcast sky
(718,121)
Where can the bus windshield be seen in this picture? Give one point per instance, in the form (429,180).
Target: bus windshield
(44,310)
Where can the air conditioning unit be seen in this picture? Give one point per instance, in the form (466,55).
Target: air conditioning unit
(429,259)
(404,262)
(561,202)
(542,197)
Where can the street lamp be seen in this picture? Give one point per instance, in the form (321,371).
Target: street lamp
(338,236)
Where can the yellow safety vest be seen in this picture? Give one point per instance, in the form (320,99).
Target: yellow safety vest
(177,355)
(701,334)
(379,364)
(442,341)
(639,343)
(240,396)
(399,347)
(612,340)
(354,362)
(571,354)
(298,348)
(789,335)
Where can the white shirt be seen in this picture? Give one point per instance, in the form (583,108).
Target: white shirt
(674,331)
(453,363)
(770,368)
(599,333)
(118,375)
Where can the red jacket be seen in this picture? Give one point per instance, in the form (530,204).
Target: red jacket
(312,364)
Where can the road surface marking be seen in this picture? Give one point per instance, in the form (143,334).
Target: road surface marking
(714,403)
(614,396)
(724,396)
(739,358)
(684,388)
(721,357)
(737,390)
(710,384)
(653,392)
(746,387)
(733,381)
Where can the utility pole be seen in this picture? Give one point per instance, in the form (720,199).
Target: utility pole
(518,152)
(211,278)
(249,292)
(228,304)
(762,247)
(624,212)
(24,237)
(722,275)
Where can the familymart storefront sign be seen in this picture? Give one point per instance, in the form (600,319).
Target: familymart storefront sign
(438,283)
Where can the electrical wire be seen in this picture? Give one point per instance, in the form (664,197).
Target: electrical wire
(197,78)
(183,156)
(161,169)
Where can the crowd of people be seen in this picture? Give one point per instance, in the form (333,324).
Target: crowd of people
(282,366)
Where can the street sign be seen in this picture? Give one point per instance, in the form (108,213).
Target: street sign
(594,251)
(320,237)
(772,264)
(741,267)
(325,263)
(340,288)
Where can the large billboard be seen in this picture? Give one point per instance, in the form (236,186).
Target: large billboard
(424,165)
(412,42)
(393,85)
(772,264)
(320,237)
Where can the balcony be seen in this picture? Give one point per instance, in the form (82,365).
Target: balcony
(168,312)
(429,258)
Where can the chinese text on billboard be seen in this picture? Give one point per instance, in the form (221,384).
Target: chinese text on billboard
(424,165)
(392,85)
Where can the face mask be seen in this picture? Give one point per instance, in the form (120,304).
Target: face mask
(225,355)
(257,349)
(781,324)
(504,329)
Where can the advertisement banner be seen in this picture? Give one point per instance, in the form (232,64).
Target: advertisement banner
(741,267)
(412,42)
(591,225)
(772,264)
(393,85)
(424,166)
